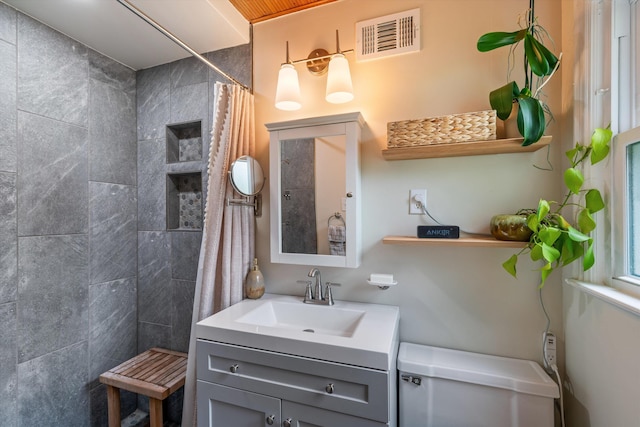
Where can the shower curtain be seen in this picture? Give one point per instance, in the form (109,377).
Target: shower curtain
(228,238)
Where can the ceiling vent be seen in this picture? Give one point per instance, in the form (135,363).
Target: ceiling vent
(388,35)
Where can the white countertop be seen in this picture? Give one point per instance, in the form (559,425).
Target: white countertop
(374,342)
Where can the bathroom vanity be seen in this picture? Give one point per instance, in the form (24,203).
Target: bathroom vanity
(277,361)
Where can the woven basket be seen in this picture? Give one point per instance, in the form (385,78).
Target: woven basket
(477,126)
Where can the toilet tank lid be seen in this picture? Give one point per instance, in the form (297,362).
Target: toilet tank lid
(522,376)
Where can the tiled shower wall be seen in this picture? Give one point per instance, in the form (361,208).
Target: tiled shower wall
(170,94)
(67,224)
(89,275)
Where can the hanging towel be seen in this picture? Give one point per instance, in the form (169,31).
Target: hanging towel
(337,239)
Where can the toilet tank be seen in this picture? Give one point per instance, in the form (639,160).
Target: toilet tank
(440,387)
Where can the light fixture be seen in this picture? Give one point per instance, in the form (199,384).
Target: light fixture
(288,89)
(339,87)
(319,61)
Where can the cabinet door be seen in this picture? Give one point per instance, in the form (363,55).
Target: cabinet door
(297,415)
(220,406)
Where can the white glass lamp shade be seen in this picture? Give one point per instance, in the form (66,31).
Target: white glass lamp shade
(288,89)
(339,87)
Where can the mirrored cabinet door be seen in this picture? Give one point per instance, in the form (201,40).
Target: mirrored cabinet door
(315,190)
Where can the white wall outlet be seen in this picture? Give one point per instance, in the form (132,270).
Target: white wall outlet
(417,201)
(549,347)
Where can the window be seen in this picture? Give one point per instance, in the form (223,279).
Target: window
(626,207)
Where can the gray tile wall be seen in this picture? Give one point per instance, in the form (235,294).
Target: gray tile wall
(97,277)
(169,94)
(68,201)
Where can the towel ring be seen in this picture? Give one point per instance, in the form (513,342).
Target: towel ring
(337,216)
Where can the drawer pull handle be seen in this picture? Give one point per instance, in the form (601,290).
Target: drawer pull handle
(287,422)
(234,368)
(329,388)
(270,419)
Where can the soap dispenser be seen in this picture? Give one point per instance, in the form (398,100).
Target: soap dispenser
(254,284)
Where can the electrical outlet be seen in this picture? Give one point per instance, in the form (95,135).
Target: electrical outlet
(549,347)
(417,201)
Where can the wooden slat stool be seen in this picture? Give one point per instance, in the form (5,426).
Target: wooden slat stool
(156,373)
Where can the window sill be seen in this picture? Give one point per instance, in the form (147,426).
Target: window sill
(610,295)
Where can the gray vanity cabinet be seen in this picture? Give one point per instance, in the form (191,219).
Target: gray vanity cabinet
(241,386)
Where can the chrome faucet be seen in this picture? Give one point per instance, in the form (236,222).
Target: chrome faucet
(317,297)
(314,272)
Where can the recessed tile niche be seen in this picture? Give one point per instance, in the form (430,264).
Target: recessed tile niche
(184,201)
(184,142)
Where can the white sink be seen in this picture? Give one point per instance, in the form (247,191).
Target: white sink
(305,318)
(347,332)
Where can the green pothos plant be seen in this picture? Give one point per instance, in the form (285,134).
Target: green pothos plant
(537,60)
(556,240)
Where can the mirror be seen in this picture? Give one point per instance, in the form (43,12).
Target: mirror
(247,179)
(246,176)
(315,191)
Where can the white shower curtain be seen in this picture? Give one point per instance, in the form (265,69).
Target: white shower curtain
(228,238)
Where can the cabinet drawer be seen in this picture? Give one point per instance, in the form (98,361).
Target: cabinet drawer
(348,389)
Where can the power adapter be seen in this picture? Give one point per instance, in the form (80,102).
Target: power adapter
(549,349)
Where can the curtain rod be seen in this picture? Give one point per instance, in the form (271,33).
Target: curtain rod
(179,42)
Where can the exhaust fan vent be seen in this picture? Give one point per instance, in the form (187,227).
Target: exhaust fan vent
(388,35)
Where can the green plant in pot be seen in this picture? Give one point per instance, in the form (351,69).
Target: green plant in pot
(538,60)
(554,239)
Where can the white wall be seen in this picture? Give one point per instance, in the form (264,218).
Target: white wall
(602,379)
(602,372)
(452,297)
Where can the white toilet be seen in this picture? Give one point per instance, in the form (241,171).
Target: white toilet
(448,388)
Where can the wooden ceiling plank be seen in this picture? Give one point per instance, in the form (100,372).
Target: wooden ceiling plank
(262,10)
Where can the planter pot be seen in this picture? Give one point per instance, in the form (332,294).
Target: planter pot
(509,128)
(510,227)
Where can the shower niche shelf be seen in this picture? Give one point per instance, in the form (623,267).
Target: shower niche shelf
(184,142)
(184,201)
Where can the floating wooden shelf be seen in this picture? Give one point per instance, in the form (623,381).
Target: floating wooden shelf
(458,149)
(470,242)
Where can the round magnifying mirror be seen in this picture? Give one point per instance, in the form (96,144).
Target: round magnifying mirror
(246,176)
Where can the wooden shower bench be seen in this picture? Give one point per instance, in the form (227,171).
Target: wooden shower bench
(156,373)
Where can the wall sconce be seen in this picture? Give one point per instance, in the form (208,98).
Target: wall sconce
(339,86)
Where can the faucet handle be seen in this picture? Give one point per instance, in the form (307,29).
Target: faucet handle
(328,294)
(308,293)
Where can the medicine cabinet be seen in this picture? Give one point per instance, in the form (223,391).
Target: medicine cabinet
(315,192)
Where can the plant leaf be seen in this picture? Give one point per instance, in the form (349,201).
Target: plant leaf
(541,60)
(562,223)
(545,271)
(593,201)
(573,179)
(501,100)
(537,61)
(497,39)
(600,144)
(589,257)
(536,253)
(543,209)
(571,251)
(549,235)
(577,236)
(510,265)
(550,253)
(531,121)
(532,222)
(572,153)
(585,221)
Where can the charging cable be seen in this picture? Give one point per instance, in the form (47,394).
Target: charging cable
(554,368)
(418,198)
(549,362)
